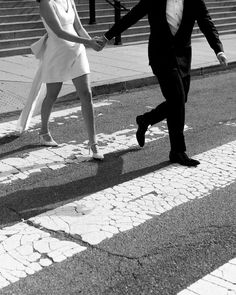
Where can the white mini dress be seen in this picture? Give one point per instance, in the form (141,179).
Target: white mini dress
(63,60)
(60,61)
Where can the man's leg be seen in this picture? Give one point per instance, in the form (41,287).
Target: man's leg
(172,88)
(172,109)
(160,112)
(175,90)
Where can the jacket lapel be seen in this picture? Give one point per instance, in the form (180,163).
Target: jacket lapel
(183,16)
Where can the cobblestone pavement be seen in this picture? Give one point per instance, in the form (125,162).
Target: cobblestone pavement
(221,281)
(26,249)
(28,246)
(12,168)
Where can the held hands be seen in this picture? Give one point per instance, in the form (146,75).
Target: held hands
(222,58)
(97,43)
(102,41)
(94,44)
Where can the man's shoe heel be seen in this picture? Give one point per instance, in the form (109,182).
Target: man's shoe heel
(140,133)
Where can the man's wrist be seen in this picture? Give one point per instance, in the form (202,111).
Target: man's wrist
(220,53)
(105,38)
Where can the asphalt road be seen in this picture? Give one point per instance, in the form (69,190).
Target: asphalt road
(168,251)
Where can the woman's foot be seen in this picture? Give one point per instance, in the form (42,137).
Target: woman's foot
(47,140)
(95,152)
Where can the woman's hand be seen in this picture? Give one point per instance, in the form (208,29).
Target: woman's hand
(93,43)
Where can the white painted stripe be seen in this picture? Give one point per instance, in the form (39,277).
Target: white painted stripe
(25,250)
(130,204)
(9,127)
(17,168)
(13,168)
(221,281)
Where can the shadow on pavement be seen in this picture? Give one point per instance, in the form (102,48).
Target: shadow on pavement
(31,202)
(162,256)
(8,139)
(21,149)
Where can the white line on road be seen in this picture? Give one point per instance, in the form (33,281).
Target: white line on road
(221,281)
(121,207)
(9,127)
(100,216)
(25,250)
(21,167)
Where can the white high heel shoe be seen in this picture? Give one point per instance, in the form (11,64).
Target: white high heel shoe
(95,152)
(47,140)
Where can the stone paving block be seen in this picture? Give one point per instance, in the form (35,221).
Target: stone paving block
(25,250)
(207,288)
(128,204)
(65,154)
(217,282)
(6,169)
(229,273)
(187,292)
(228,284)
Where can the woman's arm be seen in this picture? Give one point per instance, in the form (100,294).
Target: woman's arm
(49,15)
(80,30)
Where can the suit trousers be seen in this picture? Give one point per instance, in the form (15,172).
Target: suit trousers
(175,90)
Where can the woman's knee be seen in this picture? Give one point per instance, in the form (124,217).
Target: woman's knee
(50,98)
(53,90)
(82,86)
(85,94)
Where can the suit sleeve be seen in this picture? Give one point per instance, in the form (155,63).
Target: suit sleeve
(135,14)
(208,28)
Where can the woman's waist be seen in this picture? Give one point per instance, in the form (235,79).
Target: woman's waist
(61,47)
(68,27)
(53,38)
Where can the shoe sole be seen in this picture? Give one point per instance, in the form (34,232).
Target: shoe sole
(174,162)
(138,121)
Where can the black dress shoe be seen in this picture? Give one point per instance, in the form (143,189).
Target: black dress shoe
(142,128)
(182,159)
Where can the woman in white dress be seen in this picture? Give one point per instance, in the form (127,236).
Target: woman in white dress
(64,58)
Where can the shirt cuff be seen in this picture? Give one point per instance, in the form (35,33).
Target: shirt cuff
(105,38)
(220,53)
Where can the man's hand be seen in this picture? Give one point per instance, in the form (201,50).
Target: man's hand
(222,58)
(102,41)
(93,43)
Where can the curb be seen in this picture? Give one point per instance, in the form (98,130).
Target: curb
(119,85)
(116,86)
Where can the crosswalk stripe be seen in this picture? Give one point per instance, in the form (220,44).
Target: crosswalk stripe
(121,207)
(9,127)
(25,250)
(220,281)
(18,168)
(13,168)
(106,213)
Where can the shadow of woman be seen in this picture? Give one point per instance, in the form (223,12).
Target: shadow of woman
(33,201)
(8,139)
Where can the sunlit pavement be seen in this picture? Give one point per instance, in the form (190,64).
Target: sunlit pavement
(25,249)
(29,245)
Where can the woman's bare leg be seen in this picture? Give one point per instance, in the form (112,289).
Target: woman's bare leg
(53,90)
(83,89)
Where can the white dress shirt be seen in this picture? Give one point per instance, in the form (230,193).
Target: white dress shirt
(174,13)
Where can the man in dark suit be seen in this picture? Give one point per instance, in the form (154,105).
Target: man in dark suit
(171,24)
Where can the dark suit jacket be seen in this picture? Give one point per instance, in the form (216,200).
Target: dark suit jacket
(165,50)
